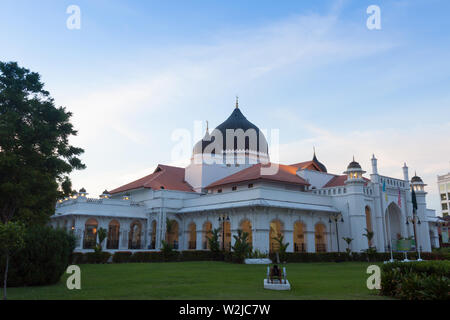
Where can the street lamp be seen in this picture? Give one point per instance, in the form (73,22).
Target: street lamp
(414,220)
(336,217)
(223,219)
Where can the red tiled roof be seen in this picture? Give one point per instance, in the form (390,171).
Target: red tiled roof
(337,181)
(310,165)
(164,177)
(286,174)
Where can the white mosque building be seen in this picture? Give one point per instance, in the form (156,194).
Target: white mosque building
(233,186)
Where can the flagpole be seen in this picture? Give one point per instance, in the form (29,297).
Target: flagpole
(387,225)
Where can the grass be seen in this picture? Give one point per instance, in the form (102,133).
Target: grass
(207,280)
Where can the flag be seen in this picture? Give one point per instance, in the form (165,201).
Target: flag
(399,198)
(384,190)
(414,200)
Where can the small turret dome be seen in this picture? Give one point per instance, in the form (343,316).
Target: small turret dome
(353,165)
(416,179)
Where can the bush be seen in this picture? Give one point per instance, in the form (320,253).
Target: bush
(200,255)
(122,256)
(43,259)
(97,257)
(147,257)
(425,280)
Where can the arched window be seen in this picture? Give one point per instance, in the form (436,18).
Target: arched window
(113,235)
(172,233)
(153,242)
(276,231)
(134,239)
(321,240)
(90,234)
(226,242)
(246,226)
(192,236)
(369,224)
(299,237)
(207,229)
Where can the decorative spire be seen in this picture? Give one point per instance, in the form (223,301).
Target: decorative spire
(207,127)
(353,158)
(314,150)
(237,102)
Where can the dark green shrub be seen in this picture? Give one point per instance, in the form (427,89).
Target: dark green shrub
(423,280)
(122,256)
(147,257)
(78,258)
(44,258)
(97,257)
(197,255)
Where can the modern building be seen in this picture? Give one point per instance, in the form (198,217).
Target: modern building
(444,193)
(231,184)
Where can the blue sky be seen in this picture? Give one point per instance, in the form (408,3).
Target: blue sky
(137,71)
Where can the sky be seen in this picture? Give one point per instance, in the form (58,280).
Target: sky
(137,72)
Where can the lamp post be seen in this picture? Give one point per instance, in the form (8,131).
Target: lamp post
(336,217)
(223,219)
(415,220)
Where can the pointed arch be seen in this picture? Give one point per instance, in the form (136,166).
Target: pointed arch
(90,233)
(246,226)
(320,237)
(276,230)
(135,235)
(206,234)
(299,237)
(113,235)
(192,245)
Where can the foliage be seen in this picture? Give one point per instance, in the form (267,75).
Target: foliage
(97,257)
(43,258)
(35,152)
(241,248)
(282,247)
(425,280)
(167,251)
(348,241)
(122,256)
(11,240)
(101,234)
(257,254)
(214,244)
(369,235)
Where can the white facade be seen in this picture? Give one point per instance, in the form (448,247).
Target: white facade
(312,219)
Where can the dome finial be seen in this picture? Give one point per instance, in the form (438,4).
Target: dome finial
(353,158)
(237,102)
(207,127)
(314,150)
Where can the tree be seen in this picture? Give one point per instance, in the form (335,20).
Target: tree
(11,240)
(214,244)
(101,234)
(35,154)
(241,247)
(282,246)
(369,235)
(348,240)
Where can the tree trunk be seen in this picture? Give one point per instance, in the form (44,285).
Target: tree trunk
(6,276)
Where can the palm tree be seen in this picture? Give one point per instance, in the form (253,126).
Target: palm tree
(348,240)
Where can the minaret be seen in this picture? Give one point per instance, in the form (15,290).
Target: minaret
(405,173)
(374,165)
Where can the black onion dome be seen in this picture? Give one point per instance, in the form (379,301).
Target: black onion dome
(106,192)
(235,121)
(416,179)
(82,190)
(354,165)
(238,121)
(320,164)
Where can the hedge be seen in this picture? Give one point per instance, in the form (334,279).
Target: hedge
(43,259)
(206,255)
(424,280)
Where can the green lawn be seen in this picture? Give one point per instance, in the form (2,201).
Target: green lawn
(207,280)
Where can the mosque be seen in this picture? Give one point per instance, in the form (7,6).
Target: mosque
(231,184)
